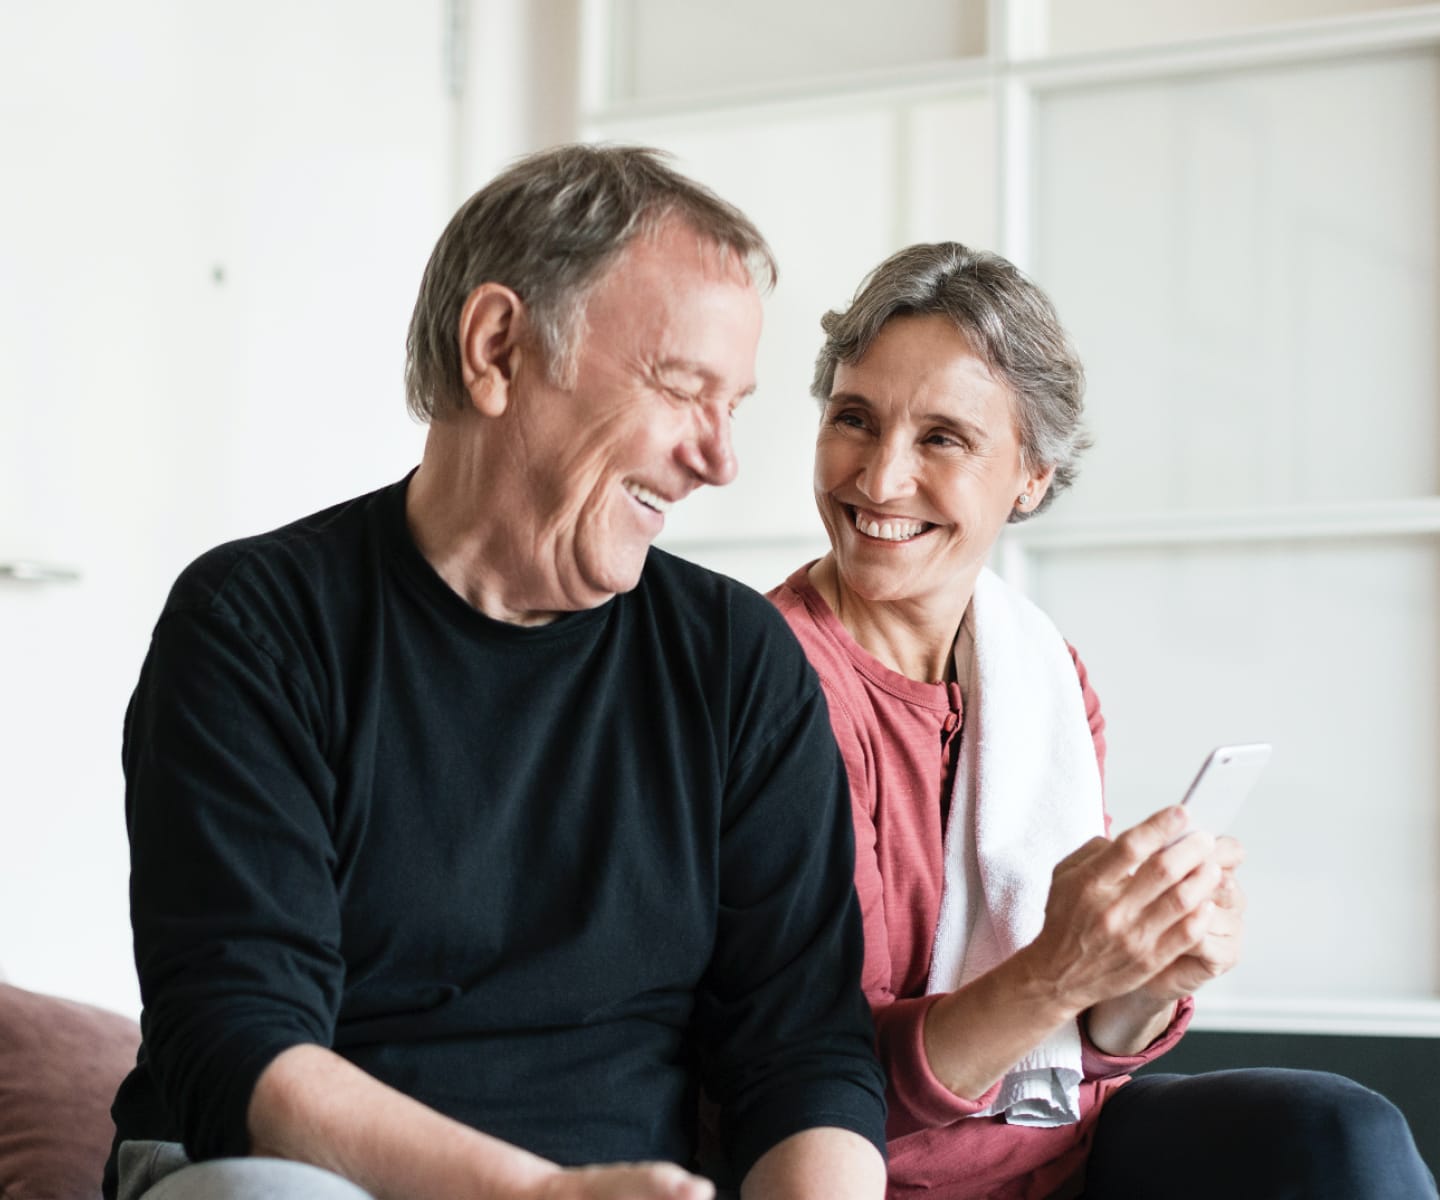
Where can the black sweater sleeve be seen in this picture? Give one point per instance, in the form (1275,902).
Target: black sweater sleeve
(787,1037)
(232,898)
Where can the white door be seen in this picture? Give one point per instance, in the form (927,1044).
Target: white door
(212,225)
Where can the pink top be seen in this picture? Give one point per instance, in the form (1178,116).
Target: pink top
(897,736)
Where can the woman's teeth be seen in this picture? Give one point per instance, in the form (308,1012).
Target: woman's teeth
(889,531)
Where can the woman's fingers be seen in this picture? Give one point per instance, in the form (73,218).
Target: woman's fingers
(1122,914)
(1140,842)
(1217,953)
(1085,857)
(1228,852)
(1186,974)
(1173,871)
(1163,869)
(1230,895)
(1206,944)
(1183,898)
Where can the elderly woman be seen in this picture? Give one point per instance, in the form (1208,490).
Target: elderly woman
(1019,963)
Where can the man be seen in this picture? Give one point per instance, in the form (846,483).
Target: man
(472,838)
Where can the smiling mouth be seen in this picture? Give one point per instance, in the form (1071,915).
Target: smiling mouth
(890,529)
(651,500)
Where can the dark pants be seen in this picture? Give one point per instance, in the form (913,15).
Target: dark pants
(1253,1135)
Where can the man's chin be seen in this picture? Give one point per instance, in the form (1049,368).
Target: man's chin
(616,576)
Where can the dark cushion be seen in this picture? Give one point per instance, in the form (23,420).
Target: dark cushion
(60,1063)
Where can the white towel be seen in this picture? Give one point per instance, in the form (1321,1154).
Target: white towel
(1027,793)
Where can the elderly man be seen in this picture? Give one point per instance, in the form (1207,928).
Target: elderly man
(472,839)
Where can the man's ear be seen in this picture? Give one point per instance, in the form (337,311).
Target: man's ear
(492,322)
(1035,488)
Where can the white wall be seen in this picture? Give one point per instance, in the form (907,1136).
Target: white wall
(212,227)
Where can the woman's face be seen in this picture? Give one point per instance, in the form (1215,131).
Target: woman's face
(918,465)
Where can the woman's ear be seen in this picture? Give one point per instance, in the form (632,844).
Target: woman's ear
(1033,490)
(492,321)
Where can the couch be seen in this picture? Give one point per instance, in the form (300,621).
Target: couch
(60,1063)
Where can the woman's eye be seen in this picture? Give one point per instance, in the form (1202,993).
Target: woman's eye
(850,420)
(945,440)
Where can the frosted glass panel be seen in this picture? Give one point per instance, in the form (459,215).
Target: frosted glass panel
(1100,24)
(953,172)
(1249,265)
(669,47)
(1328,652)
(822,190)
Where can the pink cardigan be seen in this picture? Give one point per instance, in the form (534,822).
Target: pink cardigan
(897,736)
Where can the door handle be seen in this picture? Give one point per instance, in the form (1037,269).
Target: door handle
(29,571)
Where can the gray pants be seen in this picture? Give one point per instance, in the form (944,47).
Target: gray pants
(160,1171)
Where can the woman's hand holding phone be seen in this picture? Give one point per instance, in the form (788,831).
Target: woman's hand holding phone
(1221,786)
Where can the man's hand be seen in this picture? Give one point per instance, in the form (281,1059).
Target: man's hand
(311,1105)
(625,1181)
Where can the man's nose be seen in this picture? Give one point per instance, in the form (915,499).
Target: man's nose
(888,473)
(710,450)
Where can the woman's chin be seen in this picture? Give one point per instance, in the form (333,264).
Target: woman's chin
(932,585)
(877,584)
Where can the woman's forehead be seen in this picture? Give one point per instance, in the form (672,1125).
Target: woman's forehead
(924,360)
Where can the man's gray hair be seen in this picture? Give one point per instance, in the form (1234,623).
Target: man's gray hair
(1011,324)
(547,228)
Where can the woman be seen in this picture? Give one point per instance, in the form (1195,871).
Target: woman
(1016,979)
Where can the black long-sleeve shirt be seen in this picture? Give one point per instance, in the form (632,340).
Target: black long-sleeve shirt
(545,880)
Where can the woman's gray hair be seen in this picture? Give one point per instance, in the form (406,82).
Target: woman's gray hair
(547,228)
(1012,325)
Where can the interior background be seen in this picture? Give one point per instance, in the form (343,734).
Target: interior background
(213,226)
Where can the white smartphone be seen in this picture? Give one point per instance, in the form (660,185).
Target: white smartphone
(1222,783)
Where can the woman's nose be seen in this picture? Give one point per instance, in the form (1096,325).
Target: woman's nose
(887,473)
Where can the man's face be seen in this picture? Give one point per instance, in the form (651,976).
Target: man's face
(666,352)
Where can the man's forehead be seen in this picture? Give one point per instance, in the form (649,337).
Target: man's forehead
(674,243)
(655,280)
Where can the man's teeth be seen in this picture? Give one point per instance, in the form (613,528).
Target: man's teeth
(648,498)
(890,531)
